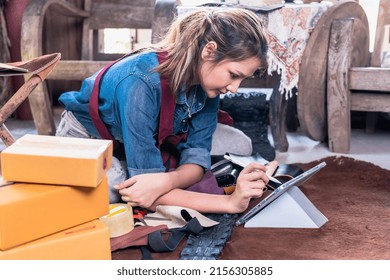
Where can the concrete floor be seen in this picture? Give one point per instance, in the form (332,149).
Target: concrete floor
(374,148)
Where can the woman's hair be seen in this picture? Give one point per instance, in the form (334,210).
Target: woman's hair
(239,35)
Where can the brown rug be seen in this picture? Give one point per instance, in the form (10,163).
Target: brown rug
(354,196)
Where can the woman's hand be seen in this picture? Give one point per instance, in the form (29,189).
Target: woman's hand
(251,183)
(144,189)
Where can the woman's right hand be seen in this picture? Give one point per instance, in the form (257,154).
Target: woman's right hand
(251,183)
(143,190)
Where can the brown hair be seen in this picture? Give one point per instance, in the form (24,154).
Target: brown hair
(239,35)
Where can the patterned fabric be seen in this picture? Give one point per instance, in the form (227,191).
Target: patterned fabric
(289,30)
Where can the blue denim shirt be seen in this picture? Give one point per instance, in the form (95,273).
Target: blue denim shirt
(129,105)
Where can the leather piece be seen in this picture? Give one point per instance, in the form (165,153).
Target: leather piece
(208,184)
(41,65)
(353,194)
(137,237)
(210,242)
(159,244)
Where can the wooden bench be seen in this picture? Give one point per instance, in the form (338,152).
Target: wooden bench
(354,88)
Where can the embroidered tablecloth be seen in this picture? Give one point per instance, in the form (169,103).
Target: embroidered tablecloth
(288,29)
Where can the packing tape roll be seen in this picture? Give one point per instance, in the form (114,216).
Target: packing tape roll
(120,219)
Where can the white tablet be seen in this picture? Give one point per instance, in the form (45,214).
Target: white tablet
(297,181)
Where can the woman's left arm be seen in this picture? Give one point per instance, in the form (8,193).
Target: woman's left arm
(251,183)
(144,189)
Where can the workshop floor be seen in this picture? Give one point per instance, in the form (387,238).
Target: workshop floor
(370,147)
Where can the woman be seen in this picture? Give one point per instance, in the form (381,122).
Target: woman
(205,54)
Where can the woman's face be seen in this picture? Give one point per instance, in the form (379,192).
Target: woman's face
(225,76)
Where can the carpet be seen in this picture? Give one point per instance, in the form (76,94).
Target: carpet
(354,196)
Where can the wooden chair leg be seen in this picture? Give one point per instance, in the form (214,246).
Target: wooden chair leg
(338,94)
(12,104)
(278,107)
(39,68)
(41,110)
(6,136)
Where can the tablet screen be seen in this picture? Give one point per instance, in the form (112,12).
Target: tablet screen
(296,181)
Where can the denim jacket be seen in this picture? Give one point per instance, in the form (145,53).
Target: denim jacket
(129,105)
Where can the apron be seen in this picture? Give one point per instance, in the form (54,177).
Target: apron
(166,141)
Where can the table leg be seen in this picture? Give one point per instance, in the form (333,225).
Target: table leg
(278,108)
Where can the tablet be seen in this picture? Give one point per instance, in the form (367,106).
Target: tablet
(296,181)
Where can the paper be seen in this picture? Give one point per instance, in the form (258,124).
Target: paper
(245,160)
(174,217)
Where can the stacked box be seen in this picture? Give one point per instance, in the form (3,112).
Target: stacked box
(31,211)
(57,160)
(88,241)
(58,193)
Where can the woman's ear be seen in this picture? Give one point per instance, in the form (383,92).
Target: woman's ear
(209,50)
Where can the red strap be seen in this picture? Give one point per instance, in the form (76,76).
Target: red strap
(167,110)
(167,107)
(94,105)
(167,113)
(225,118)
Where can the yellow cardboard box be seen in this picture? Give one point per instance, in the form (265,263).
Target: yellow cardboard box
(57,160)
(32,211)
(89,241)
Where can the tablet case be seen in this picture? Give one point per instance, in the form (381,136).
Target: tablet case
(291,210)
(278,200)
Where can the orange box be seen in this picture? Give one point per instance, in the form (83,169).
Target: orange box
(57,160)
(32,211)
(89,241)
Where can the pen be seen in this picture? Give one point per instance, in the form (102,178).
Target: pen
(242,164)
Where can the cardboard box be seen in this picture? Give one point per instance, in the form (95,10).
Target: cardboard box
(89,241)
(32,211)
(57,160)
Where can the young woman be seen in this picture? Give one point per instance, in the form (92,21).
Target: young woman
(168,95)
